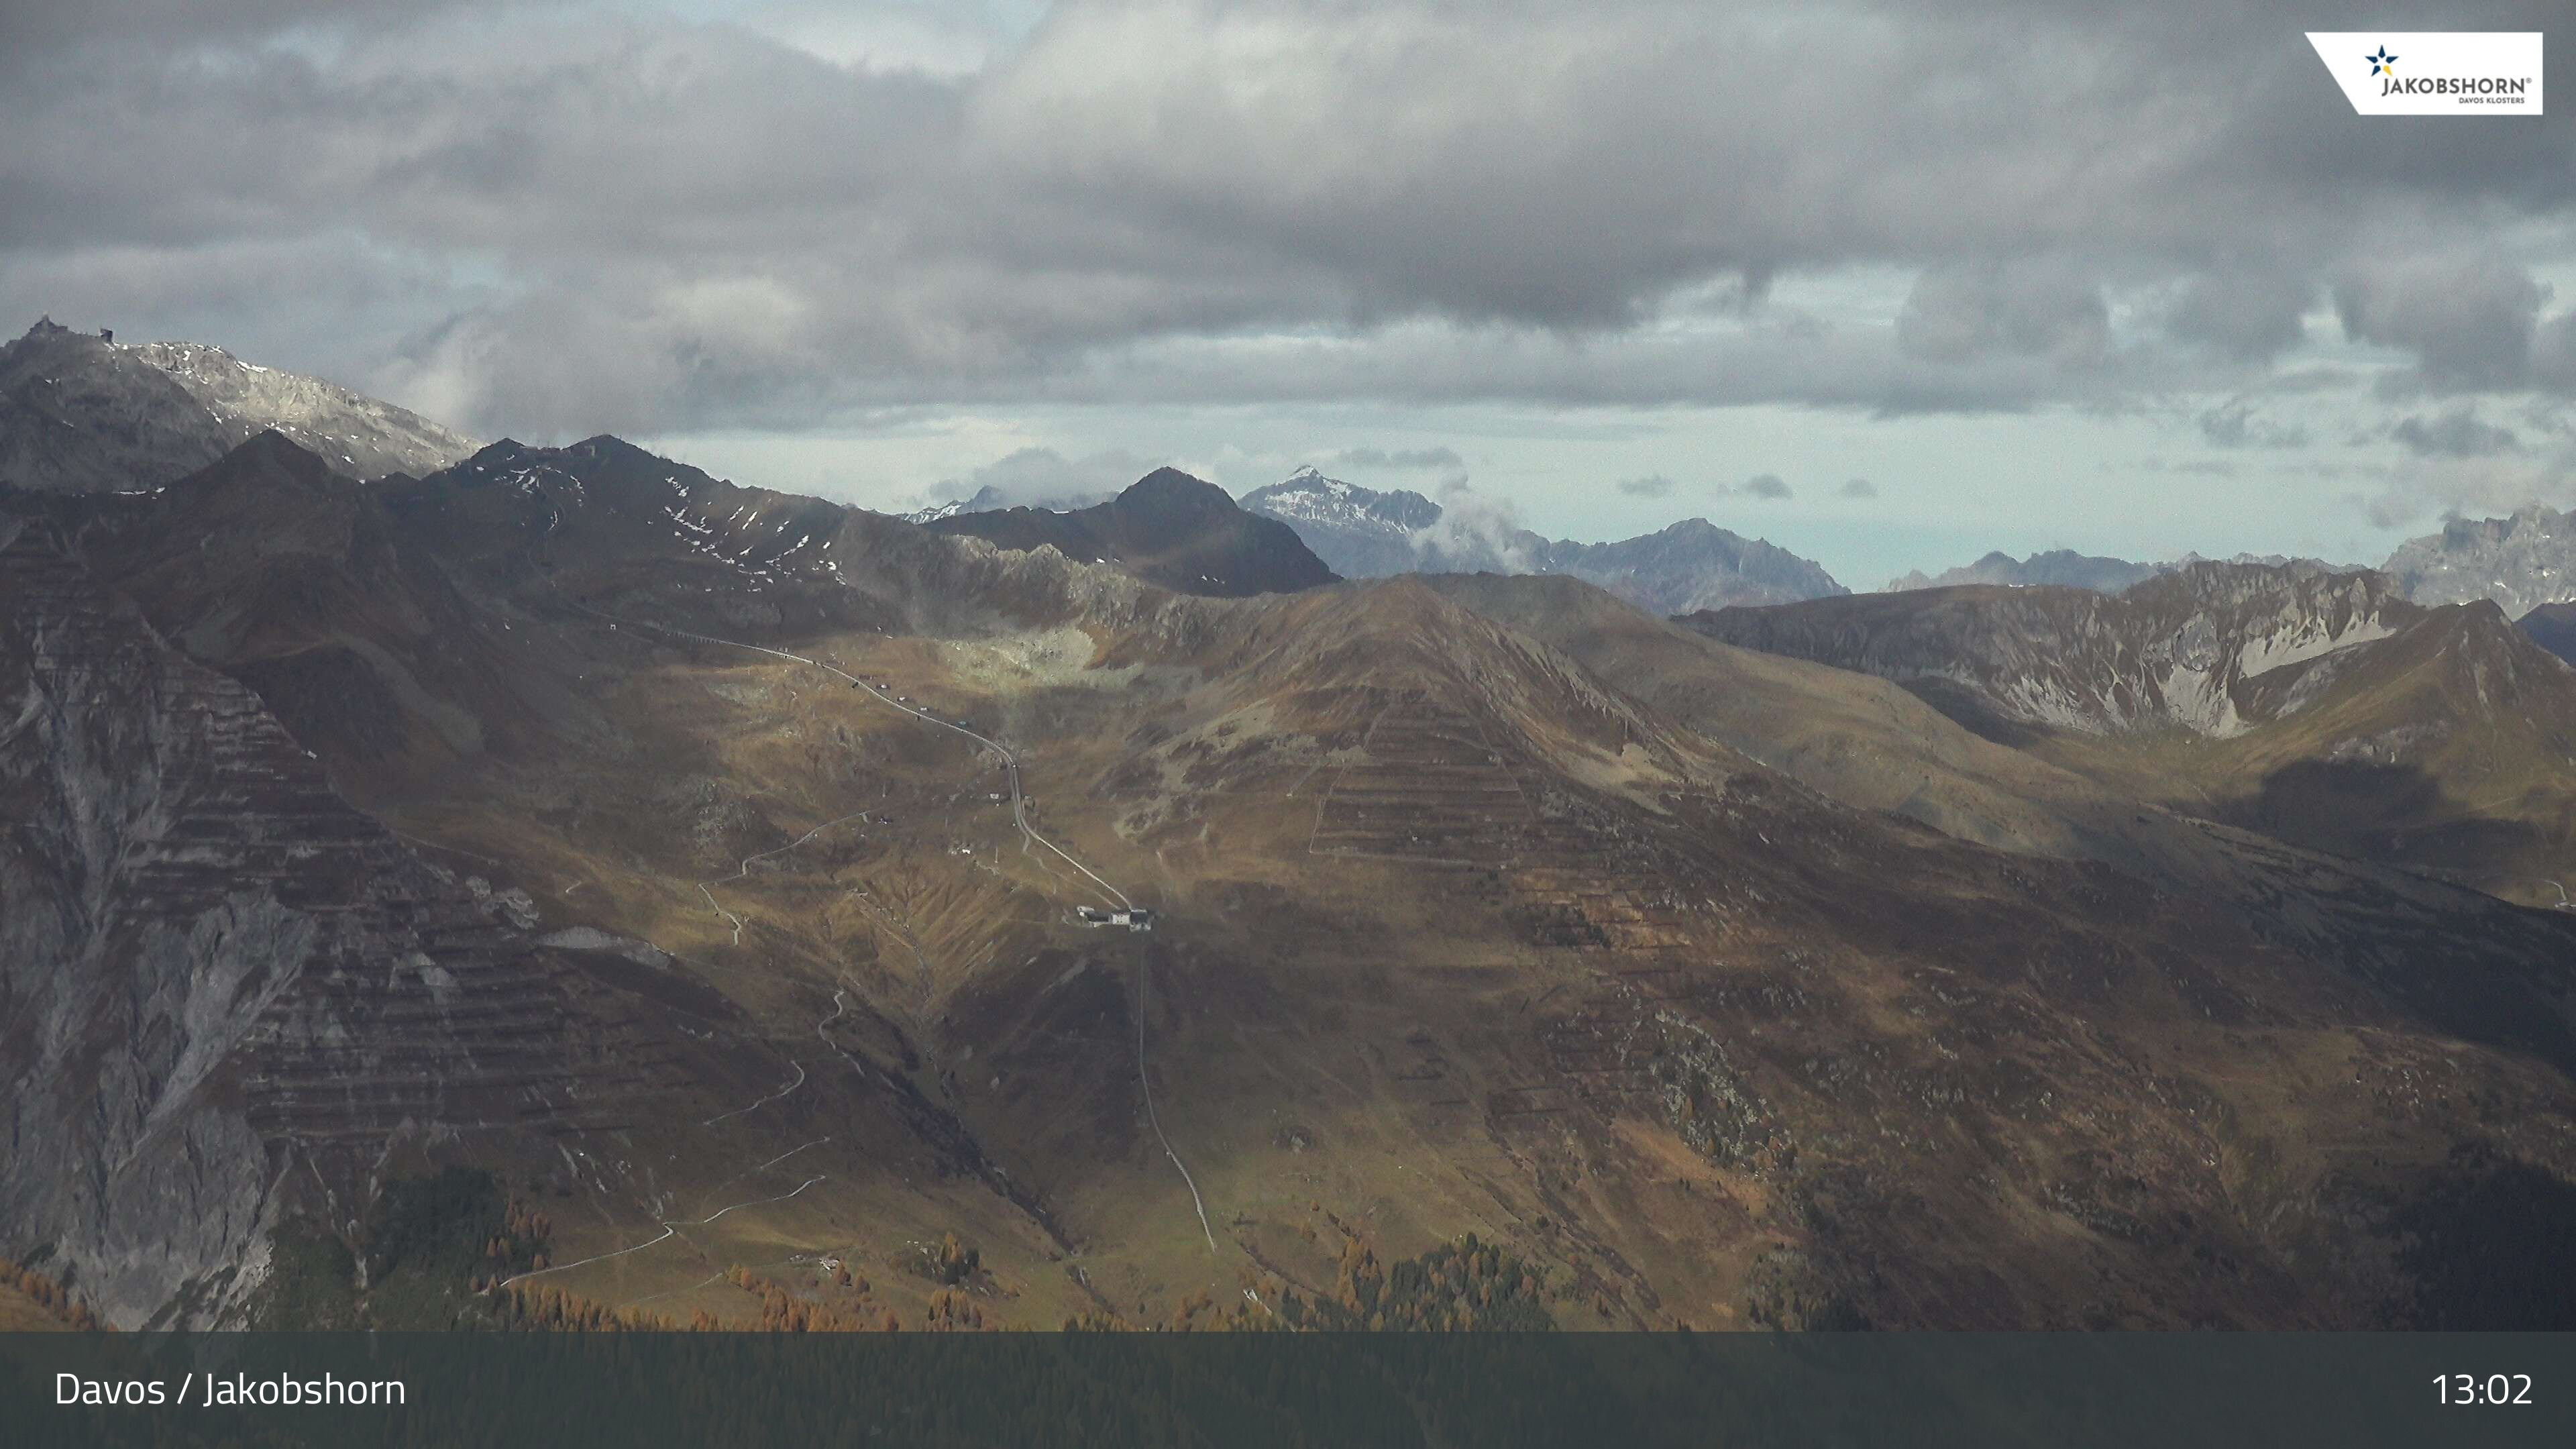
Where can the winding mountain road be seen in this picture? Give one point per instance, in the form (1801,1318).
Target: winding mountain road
(1010,761)
(669,1230)
(1019,817)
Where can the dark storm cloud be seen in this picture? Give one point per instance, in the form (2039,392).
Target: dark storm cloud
(1045,478)
(2456,434)
(616,219)
(2469,318)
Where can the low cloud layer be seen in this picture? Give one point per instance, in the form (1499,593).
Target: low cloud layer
(2469,318)
(1045,478)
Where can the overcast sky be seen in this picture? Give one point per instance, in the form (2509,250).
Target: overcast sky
(1889,284)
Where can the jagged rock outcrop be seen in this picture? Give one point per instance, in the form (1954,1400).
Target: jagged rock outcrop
(81,414)
(2520,561)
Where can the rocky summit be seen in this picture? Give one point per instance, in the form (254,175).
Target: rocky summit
(82,413)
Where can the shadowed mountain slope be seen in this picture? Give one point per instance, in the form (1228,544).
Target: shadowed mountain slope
(2553,627)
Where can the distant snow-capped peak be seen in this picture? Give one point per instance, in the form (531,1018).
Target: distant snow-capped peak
(1308,497)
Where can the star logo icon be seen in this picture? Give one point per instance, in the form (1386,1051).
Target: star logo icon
(2382,63)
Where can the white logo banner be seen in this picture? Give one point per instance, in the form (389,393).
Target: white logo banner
(2434,73)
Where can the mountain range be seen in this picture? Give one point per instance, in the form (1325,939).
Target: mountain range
(2521,562)
(565,886)
(1693,564)
(2056,566)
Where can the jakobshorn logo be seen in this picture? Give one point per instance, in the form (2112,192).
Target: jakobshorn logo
(2447,73)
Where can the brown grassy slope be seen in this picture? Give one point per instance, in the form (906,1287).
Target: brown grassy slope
(1358,996)
(1854,737)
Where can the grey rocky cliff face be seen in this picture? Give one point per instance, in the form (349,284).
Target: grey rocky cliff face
(351,432)
(219,983)
(2521,562)
(80,414)
(2183,649)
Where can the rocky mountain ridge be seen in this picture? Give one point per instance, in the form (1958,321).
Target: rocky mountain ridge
(81,413)
(2060,566)
(2181,649)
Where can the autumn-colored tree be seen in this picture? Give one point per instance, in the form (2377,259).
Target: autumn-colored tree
(956,1261)
(56,1300)
(783,1312)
